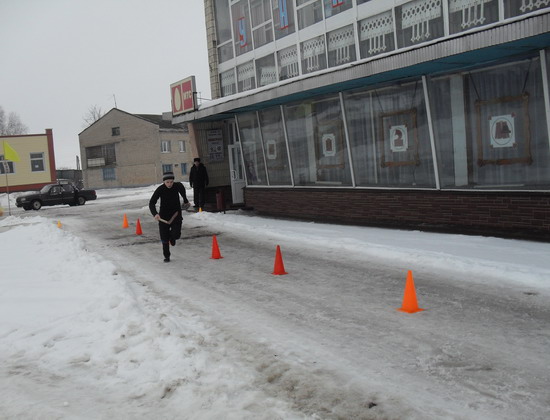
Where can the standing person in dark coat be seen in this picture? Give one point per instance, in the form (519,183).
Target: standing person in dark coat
(198,180)
(169,217)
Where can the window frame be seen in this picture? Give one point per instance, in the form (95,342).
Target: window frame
(41,159)
(166,146)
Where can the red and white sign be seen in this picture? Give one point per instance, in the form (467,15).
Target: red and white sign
(183,96)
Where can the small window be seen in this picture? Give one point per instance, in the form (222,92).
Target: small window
(37,162)
(115,131)
(182,146)
(166,168)
(184,168)
(6,165)
(165,146)
(109,174)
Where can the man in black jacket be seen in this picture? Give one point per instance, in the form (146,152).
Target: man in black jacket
(198,180)
(169,217)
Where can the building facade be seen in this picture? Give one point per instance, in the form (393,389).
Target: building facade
(425,114)
(123,150)
(36,166)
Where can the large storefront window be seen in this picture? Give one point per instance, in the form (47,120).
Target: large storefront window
(317,142)
(276,156)
(389,137)
(490,128)
(252,149)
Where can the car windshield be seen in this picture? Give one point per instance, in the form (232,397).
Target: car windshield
(45,189)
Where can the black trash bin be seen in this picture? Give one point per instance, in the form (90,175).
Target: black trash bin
(220,201)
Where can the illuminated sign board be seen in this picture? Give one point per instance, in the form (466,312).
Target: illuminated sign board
(183,96)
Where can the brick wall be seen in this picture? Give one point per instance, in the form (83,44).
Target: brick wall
(506,214)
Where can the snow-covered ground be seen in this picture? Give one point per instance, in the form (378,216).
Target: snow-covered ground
(82,339)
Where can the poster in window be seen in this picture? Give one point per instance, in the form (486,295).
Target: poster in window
(330,145)
(214,140)
(399,138)
(271,149)
(398,135)
(242,33)
(283,14)
(503,133)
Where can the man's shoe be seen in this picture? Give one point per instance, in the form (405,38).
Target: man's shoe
(167,259)
(173,242)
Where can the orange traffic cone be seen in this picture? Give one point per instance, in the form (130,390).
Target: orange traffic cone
(138,228)
(125,221)
(215,249)
(410,305)
(279,267)
(59,224)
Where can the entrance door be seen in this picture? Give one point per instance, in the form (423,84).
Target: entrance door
(236,170)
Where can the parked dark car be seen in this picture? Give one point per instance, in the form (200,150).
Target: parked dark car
(55,194)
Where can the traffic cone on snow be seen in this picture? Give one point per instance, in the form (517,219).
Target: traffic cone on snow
(279,267)
(200,209)
(138,228)
(125,221)
(410,305)
(59,224)
(215,249)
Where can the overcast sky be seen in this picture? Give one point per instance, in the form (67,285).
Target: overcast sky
(61,57)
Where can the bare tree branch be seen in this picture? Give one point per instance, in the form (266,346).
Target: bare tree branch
(94,113)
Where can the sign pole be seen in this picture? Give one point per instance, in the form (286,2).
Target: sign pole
(6,169)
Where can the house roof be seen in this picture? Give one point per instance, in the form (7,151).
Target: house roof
(157,119)
(151,118)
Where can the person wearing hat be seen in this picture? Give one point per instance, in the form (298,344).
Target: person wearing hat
(198,180)
(169,216)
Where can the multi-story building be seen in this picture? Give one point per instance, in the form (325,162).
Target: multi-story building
(36,165)
(409,113)
(122,150)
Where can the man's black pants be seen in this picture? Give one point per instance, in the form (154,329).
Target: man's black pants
(199,196)
(169,232)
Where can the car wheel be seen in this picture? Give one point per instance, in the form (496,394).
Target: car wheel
(36,205)
(81,201)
